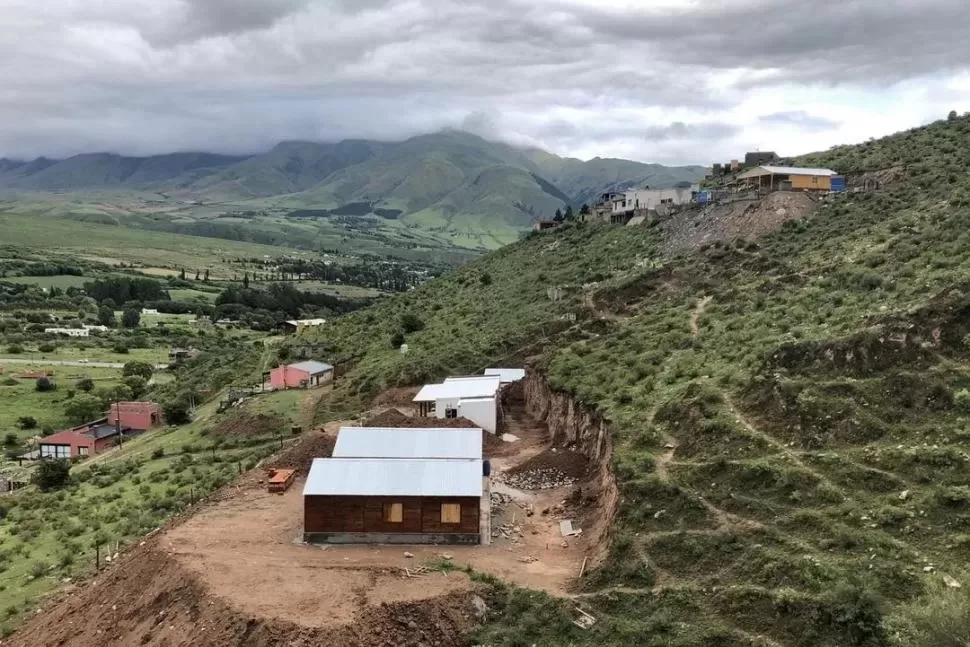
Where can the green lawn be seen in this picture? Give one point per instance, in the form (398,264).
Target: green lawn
(61,281)
(94,354)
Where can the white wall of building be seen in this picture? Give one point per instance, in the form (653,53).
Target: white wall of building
(70,332)
(650,199)
(481,411)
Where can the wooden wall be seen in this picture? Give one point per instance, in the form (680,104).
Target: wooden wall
(331,514)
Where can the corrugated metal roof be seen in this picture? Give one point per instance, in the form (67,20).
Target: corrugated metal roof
(312,367)
(383,442)
(394,477)
(506,375)
(480,386)
(784,170)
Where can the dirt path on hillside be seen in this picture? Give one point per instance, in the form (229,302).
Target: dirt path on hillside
(695,316)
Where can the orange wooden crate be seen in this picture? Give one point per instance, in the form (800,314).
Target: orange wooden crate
(280,480)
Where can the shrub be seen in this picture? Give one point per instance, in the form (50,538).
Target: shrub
(158,453)
(44,385)
(15,349)
(177,411)
(47,348)
(10,440)
(411,323)
(83,408)
(144,369)
(397,340)
(52,474)
(27,422)
(961,401)
(10,382)
(485,279)
(120,349)
(85,384)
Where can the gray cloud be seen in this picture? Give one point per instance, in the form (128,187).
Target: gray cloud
(577,76)
(799,119)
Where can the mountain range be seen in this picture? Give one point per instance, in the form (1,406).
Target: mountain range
(447,181)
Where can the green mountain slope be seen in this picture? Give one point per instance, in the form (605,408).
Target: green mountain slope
(585,181)
(477,193)
(107,170)
(789,417)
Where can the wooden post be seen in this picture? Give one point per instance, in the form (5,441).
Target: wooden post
(97,557)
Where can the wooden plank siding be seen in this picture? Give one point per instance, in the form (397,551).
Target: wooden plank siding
(356,514)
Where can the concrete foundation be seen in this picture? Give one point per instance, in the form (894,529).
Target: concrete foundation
(389,538)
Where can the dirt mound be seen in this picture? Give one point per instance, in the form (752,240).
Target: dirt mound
(244,424)
(394,418)
(565,461)
(148,598)
(389,418)
(299,457)
(744,219)
(399,397)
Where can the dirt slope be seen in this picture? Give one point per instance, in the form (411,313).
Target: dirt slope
(148,598)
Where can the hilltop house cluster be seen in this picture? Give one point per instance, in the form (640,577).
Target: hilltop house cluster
(394,485)
(760,173)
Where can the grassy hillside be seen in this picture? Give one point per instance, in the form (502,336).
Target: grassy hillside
(815,387)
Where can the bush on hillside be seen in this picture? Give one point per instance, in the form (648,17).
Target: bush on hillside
(397,340)
(52,474)
(44,385)
(27,422)
(47,348)
(10,381)
(120,349)
(144,369)
(138,386)
(961,401)
(411,323)
(83,408)
(15,349)
(85,384)
(177,411)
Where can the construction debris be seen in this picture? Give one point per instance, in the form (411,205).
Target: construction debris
(539,479)
(566,529)
(585,620)
(510,438)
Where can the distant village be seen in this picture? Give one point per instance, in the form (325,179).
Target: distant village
(759,174)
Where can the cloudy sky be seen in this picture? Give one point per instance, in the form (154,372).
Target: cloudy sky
(671,81)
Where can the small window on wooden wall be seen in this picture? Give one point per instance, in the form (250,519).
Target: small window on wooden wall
(450,513)
(394,512)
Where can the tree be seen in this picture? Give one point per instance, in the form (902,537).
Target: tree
(411,323)
(182,274)
(117,393)
(144,369)
(206,277)
(558,217)
(11,440)
(585,210)
(397,340)
(952,116)
(27,422)
(569,215)
(44,385)
(177,411)
(130,318)
(106,316)
(85,385)
(246,281)
(197,275)
(84,407)
(138,386)
(52,474)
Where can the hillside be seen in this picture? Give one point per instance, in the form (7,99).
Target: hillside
(457,187)
(788,416)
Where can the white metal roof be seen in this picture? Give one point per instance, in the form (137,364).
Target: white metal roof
(480,386)
(383,442)
(394,477)
(784,170)
(506,375)
(311,367)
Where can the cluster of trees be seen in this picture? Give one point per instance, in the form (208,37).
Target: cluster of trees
(90,403)
(568,215)
(263,309)
(24,268)
(124,289)
(383,275)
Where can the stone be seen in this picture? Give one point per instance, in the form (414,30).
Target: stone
(904,495)
(479,607)
(408,555)
(951,582)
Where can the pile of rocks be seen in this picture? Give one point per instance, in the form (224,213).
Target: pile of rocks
(499,501)
(538,479)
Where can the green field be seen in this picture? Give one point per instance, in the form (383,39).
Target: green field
(62,282)
(193,295)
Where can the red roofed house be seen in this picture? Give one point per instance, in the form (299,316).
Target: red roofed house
(128,418)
